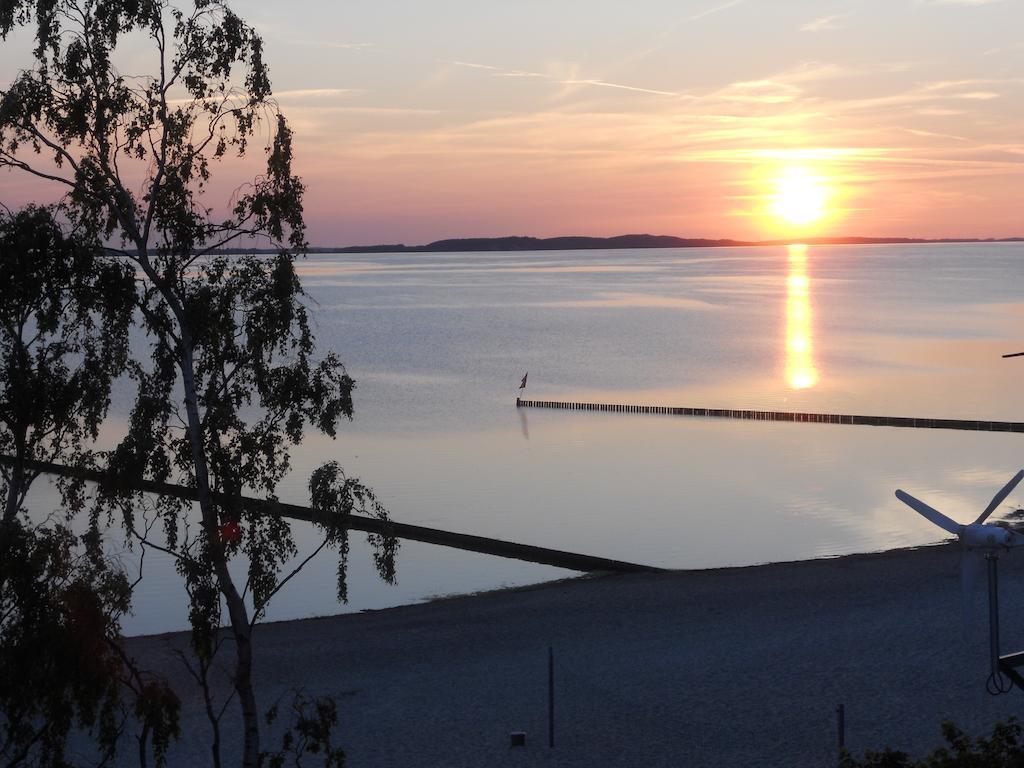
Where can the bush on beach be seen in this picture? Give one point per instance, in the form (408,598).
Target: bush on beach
(1003,749)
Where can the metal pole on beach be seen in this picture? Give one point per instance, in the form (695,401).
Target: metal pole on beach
(551,698)
(993,612)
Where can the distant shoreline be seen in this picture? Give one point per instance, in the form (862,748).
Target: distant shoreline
(457,245)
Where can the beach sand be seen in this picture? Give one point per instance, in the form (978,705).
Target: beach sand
(724,667)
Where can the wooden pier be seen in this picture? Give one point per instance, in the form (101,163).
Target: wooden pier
(487,546)
(808,418)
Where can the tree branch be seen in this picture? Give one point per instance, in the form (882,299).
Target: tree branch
(258,609)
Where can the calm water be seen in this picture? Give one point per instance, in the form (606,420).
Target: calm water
(439,342)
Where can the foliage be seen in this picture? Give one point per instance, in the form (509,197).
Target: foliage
(60,673)
(64,322)
(99,127)
(64,317)
(309,733)
(337,495)
(1003,749)
(230,382)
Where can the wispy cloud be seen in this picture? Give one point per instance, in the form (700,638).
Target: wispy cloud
(958,2)
(603,84)
(300,94)
(1003,49)
(826,23)
(305,42)
(316,93)
(560,80)
(759,92)
(348,46)
(498,71)
(941,85)
(474,65)
(932,134)
(715,9)
(333,109)
(520,73)
(801,155)
(977,95)
(780,87)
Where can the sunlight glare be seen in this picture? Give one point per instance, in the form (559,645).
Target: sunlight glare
(801,372)
(800,197)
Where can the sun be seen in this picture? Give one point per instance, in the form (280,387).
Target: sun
(800,197)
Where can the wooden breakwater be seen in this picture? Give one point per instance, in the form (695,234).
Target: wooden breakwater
(809,418)
(572,561)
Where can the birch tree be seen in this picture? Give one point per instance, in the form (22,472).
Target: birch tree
(232,379)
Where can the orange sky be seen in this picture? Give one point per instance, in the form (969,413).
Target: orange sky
(418,121)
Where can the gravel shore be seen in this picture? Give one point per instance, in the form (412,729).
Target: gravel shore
(724,667)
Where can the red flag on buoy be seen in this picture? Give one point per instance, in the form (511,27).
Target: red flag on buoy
(522,384)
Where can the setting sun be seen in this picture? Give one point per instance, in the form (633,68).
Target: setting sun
(800,197)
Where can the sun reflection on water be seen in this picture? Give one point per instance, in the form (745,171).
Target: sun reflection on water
(801,372)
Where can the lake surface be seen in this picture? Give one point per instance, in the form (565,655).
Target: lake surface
(438,344)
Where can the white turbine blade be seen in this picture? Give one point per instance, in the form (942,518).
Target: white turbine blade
(931,514)
(998,498)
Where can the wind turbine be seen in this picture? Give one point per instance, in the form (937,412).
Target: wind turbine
(979,535)
(979,538)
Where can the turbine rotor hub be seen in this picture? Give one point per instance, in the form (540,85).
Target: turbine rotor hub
(981,536)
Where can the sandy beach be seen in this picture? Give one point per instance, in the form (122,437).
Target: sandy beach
(737,666)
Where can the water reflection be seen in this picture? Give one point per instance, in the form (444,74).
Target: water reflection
(439,360)
(801,372)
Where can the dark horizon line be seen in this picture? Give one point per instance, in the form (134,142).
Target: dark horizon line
(572,242)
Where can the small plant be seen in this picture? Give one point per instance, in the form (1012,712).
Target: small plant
(309,734)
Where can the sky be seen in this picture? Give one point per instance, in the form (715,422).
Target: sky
(747,119)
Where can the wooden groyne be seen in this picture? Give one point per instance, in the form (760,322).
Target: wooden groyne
(809,418)
(487,546)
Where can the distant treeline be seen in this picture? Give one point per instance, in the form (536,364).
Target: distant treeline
(621,241)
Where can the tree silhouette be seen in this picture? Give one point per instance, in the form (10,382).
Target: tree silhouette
(64,322)
(231,381)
